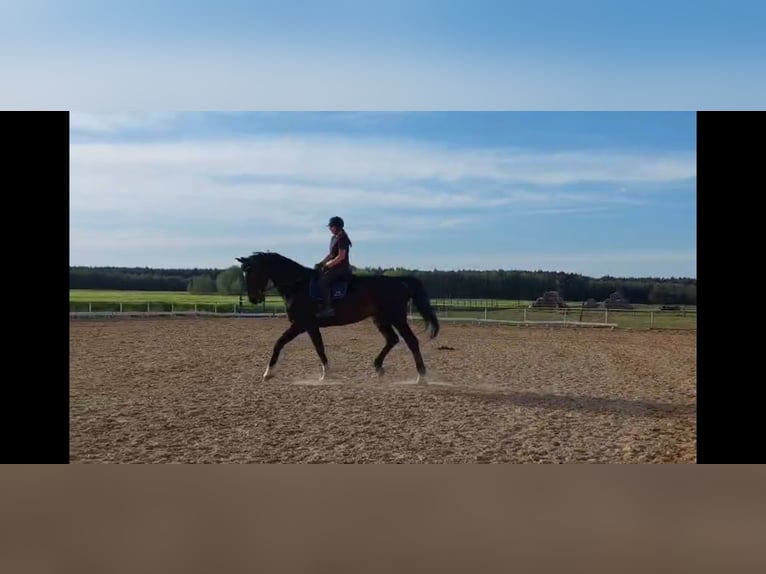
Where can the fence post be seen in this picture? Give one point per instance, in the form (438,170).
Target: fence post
(651,319)
(485,313)
(90,308)
(172,308)
(215,307)
(120,307)
(195,307)
(525,315)
(148,306)
(606,314)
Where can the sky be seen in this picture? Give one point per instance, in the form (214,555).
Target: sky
(592,193)
(596,193)
(395,55)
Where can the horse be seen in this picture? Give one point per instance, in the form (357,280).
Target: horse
(355,299)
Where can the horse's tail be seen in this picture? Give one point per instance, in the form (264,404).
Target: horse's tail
(423,304)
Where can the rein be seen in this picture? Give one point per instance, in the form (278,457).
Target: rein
(289,284)
(280,286)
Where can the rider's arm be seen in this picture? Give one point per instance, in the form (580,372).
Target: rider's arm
(341,256)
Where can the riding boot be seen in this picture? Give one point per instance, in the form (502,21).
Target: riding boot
(327,310)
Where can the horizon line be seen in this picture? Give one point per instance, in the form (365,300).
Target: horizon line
(417,270)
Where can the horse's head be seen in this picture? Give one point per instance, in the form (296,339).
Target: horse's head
(257,276)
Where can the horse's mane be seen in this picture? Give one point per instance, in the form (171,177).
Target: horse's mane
(273,256)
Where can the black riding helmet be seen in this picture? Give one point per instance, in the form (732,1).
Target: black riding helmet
(336,221)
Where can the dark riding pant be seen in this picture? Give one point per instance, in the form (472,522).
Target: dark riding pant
(328,277)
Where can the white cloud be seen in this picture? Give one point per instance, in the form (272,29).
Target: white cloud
(131,239)
(277,194)
(115,122)
(566,211)
(340,175)
(340,159)
(100,70)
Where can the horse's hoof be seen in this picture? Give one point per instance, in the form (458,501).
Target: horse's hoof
(380,372)
(422,380)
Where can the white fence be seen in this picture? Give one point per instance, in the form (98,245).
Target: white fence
(87,314)
(638,318)
(575,317)
(146,308)
(472,320)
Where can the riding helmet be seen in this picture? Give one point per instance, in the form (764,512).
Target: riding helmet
(336,221)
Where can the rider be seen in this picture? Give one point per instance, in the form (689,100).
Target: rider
(335,265)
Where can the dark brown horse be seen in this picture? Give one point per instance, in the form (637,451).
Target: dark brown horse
(383,298)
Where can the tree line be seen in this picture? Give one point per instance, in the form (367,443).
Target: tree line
(467,284)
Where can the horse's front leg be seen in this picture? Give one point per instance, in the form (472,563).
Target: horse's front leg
(292,331)
(316,338)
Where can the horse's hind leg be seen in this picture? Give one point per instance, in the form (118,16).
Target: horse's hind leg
(316,338)
(391,340)
(412,342)
(292,331)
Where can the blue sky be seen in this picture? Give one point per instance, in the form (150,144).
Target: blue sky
(589,192)
(394,55)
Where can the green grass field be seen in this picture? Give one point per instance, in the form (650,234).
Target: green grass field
(97,295)
(180,297)
(514,310)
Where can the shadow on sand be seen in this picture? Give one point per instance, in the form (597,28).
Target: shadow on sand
(626,407)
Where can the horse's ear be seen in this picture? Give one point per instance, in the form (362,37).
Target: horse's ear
(240,259)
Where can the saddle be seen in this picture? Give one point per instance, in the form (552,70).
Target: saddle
(338,289)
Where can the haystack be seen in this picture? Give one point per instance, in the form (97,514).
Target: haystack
(549,299)
(617,301)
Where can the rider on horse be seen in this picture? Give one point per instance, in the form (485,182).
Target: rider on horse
(335,265)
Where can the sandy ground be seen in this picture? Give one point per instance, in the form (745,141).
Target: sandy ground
(189,390)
